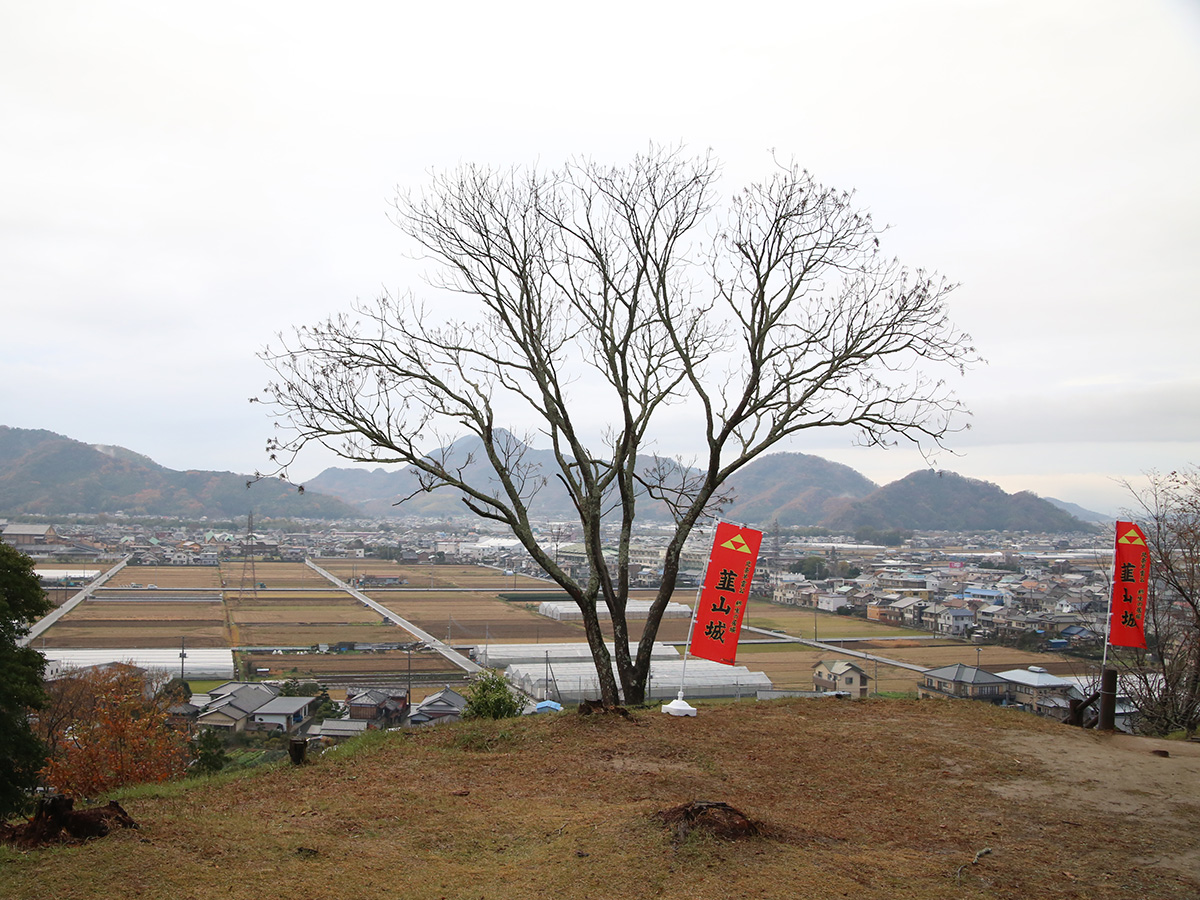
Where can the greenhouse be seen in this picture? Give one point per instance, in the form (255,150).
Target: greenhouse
(201,662)
(576,681)
(501,656)
(568,611)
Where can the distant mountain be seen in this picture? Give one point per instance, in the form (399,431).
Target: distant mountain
(1079,512)
(791,488)
(794,489)
(378,491)
(944,501)
(43,473)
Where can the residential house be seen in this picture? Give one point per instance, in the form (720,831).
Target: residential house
(954,620)
(882,611)
(23,535)
(840,675)
(287,714)
(232,705)
(446,705)
(378,707)
(1036,690)
(339,729)
(963,681)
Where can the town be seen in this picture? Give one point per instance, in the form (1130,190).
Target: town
(1010,618)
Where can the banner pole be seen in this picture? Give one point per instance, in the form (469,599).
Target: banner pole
(679,706)
(691,626)
(1112,581)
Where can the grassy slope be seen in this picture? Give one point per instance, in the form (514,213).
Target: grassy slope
(876,799)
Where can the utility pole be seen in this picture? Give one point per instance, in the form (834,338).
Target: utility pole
(182,655)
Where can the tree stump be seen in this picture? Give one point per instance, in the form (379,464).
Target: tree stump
(713,817)
(298,751)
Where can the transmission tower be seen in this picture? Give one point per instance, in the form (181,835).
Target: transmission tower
(249,575)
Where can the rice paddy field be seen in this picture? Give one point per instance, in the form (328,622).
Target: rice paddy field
(297,607)
(168,577)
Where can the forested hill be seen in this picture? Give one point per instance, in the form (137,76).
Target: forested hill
(788,488)
(43,473)
(943,501)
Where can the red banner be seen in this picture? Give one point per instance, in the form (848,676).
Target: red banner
(726,592)
(1131,580)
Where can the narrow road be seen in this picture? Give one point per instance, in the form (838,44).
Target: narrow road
(46,621)
(430,641)
(833,648)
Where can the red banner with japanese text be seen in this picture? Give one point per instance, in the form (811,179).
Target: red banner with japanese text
(726,590)
(1131,581)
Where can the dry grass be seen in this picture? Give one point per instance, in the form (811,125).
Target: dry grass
(477,617)
(276,575)
(878,799)
(390,664)
(798,622)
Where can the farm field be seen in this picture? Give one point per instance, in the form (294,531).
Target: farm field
(476,617)
(390,663)
(430,577)
(168,577)
(299,608)
(145,624)
(798,622)
(275,575)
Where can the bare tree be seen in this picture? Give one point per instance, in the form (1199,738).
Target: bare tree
(596,298)
(1164,679)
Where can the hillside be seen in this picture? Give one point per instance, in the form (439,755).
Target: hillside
(43,473)
(791,488)
(874,799)
(943,501)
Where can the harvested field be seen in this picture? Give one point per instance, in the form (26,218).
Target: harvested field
(333,612)
(136,635)
(168,577)
(798,622)
(391,663)
(148,611)
(432,577)
(284,599)
(299,608)
(283,635)
(476,617)
(276,575)
(139,625)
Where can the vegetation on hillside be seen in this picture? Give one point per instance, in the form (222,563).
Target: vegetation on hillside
(943,501)
(22,601)
(42,473)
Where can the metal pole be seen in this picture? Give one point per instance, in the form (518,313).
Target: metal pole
(688,645)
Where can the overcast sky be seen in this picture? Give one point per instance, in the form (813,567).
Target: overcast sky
(180,182)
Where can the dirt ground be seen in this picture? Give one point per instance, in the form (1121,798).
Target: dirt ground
(1089,775)
(871,800)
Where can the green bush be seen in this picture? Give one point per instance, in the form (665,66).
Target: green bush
(490,697)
